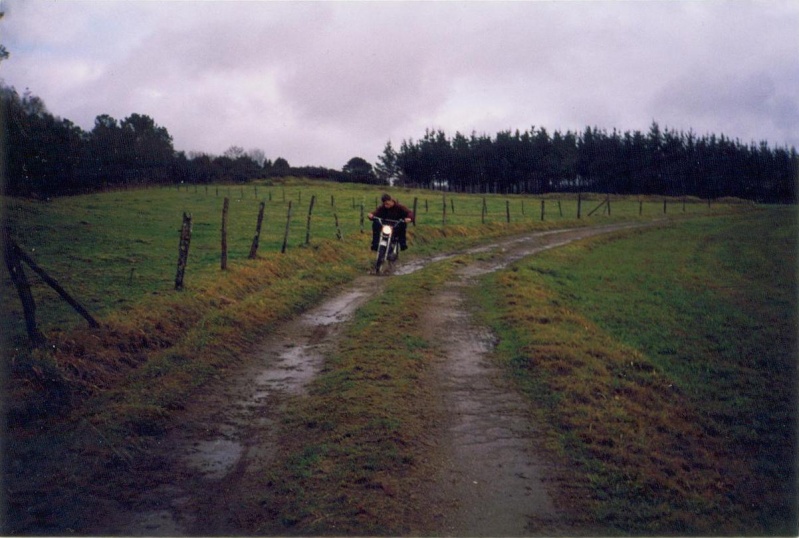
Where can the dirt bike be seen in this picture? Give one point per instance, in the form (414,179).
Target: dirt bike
(388,245)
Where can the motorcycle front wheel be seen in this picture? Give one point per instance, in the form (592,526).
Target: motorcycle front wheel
(381,257)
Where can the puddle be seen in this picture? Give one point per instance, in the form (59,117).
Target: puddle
(215,459)
(155,523)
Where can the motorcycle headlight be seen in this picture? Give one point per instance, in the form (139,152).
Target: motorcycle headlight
(386,229)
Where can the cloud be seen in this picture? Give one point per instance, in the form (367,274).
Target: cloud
(321,82)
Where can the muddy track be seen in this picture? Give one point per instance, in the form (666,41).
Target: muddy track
(188,483)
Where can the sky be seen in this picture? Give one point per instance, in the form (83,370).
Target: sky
(319,83)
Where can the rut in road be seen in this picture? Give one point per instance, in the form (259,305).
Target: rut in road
(491,481)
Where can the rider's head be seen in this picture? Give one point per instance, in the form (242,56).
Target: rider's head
(387,200)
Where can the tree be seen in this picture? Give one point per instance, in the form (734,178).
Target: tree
(280,168)
(387,168)
(233,152)
(358,170)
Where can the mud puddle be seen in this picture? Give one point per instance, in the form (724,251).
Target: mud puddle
(231,429)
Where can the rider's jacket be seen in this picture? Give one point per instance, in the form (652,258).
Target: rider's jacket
(396,212)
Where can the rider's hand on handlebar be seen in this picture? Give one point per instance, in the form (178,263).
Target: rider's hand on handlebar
(408,220)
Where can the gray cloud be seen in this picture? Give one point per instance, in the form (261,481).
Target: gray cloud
(320,82)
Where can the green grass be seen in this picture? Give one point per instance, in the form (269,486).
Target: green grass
(116,253)
(665,363)
(352,448)
(114,250)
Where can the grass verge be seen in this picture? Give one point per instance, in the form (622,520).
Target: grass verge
(665,365)
(352,458)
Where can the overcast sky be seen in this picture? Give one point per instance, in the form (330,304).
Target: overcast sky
(321,82)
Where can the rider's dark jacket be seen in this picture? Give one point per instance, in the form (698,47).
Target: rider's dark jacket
(395,212)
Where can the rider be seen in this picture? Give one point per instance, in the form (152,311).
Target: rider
(392,210)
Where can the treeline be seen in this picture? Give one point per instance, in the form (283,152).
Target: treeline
(662,162)
(49,156)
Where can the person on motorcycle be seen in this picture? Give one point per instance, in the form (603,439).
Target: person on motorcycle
(392,210)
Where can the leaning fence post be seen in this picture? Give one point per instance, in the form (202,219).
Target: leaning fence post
(225,206)
(10,251)
(286,235)
(308,222)
(183,250)
(256,239)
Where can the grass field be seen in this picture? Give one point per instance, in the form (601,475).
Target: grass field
(113,250)
(665,364)
(700,286)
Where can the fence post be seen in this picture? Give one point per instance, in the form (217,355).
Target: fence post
(256,239)
(507,210)
(579,203)
(664,205)
(183,250)
(560,209)
(484,212)
(225,206)
(308,222)
(542,210)
(361,216)
(286,235)
(10,252)
(640,208)
(339,235)
(415,203)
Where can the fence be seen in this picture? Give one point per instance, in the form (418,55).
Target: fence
(221,223)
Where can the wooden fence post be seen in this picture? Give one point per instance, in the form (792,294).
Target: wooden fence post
(560,209)
(257,238)
(361,216)
(542,209)
(507,210)
(484,211)
(183,250)
(339,235)
(225,206)
(579,204)
(308,222)
(415,202)
(17,273)
(286,235)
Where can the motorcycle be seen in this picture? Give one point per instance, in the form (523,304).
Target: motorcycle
(388,245)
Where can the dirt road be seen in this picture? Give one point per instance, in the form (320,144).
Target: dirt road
(491,480)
